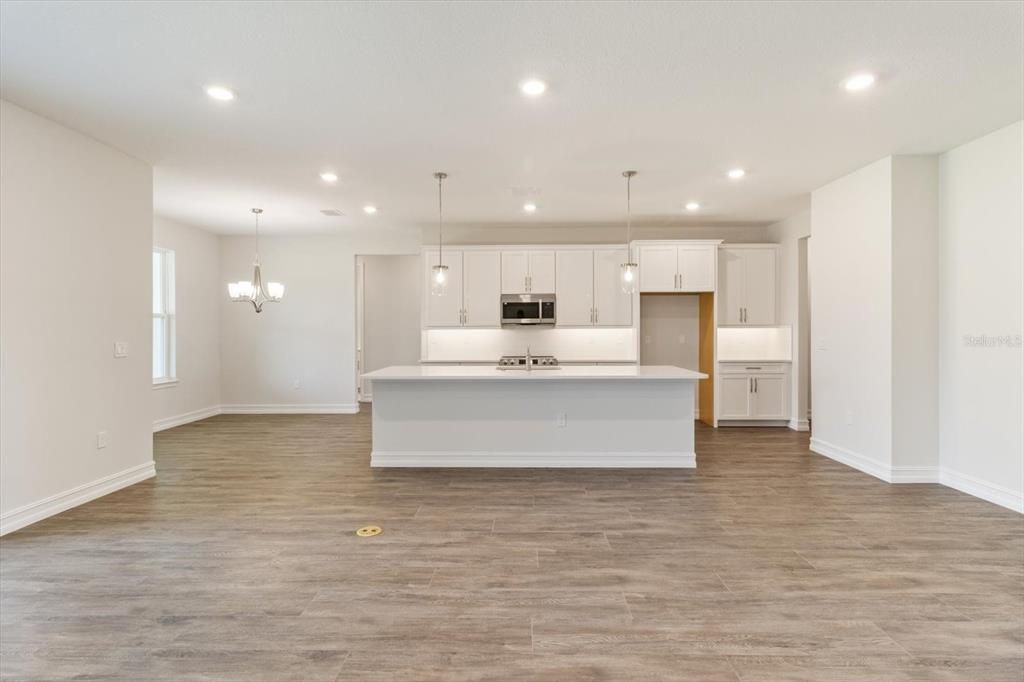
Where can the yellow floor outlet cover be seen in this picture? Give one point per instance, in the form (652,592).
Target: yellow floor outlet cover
(369,531)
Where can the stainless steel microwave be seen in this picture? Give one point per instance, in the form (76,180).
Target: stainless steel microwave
(519,309)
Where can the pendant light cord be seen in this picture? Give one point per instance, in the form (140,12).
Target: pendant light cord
(440,220)
(629,211)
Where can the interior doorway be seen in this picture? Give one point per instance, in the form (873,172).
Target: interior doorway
(388,290)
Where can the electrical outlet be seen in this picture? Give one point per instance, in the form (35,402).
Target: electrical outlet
(647,339)
(296,385)
(849,417)
(560,420)
(101,440)
(682,339)
(120,349)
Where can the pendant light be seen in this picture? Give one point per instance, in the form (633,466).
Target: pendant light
(253,292)
(630,270)
(439,273)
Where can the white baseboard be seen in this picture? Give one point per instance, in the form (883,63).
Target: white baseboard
(918,474)
(55,504)
(329,408)
(852,459)
(990,492)
(188,417)
(799,424)
(539,460)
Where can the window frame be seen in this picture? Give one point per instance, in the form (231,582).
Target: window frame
(169,317)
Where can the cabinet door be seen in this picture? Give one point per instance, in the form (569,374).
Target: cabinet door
(658,268)
(574,288)
(759,286)
(770,397)
(481,288)
(444,311)
(515,266)
(730,285)
(614,308)
(542,272)
(696,265)
(734,396)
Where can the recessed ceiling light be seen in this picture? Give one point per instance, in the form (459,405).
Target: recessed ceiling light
(533,87)
(529,208)
(220,93)
(737,173)
(692,206)
(369,209)
(860,81)
(329,177)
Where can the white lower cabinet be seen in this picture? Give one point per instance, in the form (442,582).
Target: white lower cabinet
(753,391)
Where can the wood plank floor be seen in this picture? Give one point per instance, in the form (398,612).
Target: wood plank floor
(239,562)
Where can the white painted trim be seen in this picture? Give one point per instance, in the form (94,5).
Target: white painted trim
(186,418)
(990,492)
(55,504)
(851,459)
(164,383)
(799,424)
(297,408)
(918,474)
(539,460)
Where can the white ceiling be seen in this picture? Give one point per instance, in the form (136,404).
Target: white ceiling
(386,93)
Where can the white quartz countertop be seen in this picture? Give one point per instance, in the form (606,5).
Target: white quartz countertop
(563,373)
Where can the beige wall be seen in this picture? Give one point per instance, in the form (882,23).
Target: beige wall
(670,330)
(76,226)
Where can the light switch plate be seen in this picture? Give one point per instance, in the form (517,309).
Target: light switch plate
(101,440)
(120,349)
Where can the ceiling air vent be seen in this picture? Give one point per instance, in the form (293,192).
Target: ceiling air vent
(332,212)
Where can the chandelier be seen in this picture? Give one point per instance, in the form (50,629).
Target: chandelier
(253,292)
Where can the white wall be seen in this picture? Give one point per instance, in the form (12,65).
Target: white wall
(851,313)
(980,294)
(915,296)
(298,355)
(76,222)
(392,291)
(197,290)
(788,234)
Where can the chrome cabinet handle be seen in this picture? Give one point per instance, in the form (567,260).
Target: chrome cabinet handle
(755,384)
(597,315)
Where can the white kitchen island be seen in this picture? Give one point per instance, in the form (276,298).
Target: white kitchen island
(573,416)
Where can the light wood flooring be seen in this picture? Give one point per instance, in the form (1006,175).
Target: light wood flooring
(240,562)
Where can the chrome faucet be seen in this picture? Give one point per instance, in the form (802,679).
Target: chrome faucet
(529,360)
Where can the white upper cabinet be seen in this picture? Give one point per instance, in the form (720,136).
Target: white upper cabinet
(574,288)
(542,272)
(444,311)
(515,268)
(612,307)
(481,288)
(747,284)
(527,272)
(658,269)
(696,266)
(588,288)
(677,267)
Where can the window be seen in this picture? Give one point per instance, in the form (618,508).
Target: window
(163,316)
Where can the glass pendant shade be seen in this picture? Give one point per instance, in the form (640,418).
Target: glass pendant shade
(629,277)
(439,280)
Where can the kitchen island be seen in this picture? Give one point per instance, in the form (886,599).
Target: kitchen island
(573,416)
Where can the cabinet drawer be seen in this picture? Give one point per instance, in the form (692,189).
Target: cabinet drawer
(752,368)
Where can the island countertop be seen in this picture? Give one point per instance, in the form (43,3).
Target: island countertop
(563,373)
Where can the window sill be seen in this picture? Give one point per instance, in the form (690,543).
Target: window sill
(164,383)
